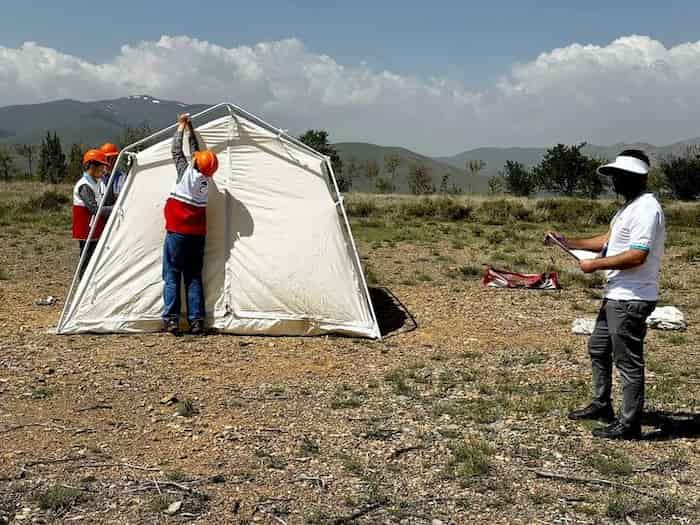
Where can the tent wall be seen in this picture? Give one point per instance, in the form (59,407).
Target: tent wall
(277,260)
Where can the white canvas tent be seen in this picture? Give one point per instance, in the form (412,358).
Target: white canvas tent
(279,258)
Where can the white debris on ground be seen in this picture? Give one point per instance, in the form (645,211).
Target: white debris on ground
(662,318)
(582,326)
(46,301)
(667,318)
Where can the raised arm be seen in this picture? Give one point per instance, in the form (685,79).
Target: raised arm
(178,154)
(194,143)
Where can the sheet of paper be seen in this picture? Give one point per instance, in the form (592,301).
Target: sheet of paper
(583,255)
(579,255)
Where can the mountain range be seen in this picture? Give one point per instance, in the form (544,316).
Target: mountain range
(93,123)
(87,122)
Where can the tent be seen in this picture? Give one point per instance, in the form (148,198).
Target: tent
(279,259)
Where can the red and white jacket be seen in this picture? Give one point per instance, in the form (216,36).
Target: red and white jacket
(186,208)
(82,215)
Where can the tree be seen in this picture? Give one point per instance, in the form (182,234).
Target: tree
(566,170)
(52,160)
(27,151)
(474,167)
(420,181)
(75,163)
(657,181)
(391,166)
(384,185)
(496,185)
(518,179)
(318,139)
(7,164)
(351,169)
(444,184)
(131,134)
(683,174)
(372,169)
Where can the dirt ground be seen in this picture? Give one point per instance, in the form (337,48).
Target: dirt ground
(455,422)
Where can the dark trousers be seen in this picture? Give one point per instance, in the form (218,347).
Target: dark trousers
(89,247)
(183,259)
(619,337)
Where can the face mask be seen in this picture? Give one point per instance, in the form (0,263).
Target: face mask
(628,186)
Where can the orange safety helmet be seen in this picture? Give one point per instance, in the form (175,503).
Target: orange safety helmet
(109,149)
(95,155)
(207,163)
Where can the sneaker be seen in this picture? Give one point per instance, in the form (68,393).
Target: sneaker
(618,430)
(197,327)
(594,412)
(171,326)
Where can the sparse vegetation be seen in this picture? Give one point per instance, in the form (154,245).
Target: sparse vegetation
(186,408)
(461,409)
(470,459)
(60,498)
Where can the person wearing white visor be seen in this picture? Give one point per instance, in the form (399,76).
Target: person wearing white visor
(630,254)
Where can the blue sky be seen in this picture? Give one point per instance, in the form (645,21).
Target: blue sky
(436,77)
(475,42)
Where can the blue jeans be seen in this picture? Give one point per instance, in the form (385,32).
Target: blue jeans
(183,257)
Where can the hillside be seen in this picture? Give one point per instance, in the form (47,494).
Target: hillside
(95,122)
(363,152)
(496,158)
(86,122)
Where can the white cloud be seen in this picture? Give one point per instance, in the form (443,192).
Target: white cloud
(632,89)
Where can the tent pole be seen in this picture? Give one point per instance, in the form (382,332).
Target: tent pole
(329,167)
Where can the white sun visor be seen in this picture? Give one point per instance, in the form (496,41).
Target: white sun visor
(625,163)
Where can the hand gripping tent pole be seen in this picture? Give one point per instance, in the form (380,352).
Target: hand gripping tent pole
(233,110)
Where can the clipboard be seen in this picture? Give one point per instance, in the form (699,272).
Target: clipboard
(579,255)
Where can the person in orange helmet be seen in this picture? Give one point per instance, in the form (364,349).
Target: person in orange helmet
(186,227)
(87,195)
(111,151)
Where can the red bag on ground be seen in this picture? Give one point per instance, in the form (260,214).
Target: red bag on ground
(494,278)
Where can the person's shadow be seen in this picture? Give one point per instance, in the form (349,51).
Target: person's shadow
(671,425)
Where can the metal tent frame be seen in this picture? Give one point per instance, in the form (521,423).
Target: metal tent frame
(283,136)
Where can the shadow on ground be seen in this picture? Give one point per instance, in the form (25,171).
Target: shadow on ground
(671,425)
(393,317)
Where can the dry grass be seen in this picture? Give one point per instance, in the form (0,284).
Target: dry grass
(446,422)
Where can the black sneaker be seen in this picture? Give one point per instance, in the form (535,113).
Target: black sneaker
(171,326)
(618,430)
(594,412)
(197,327)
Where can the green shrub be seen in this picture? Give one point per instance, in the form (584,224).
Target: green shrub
(439,208)
(186,408)
(58,498)
(611,463)
(502,211)
(688,215)
(361,208)
(47,201)
(575,211)
(470,270)
(469,460)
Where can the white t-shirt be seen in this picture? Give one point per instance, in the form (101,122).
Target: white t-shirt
(638,225)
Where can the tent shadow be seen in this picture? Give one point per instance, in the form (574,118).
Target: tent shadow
(671,425)
(392,315)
